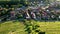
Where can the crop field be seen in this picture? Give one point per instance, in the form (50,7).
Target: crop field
(11,27)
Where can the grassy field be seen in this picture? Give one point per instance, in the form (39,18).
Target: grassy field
(11,27)
(50,27)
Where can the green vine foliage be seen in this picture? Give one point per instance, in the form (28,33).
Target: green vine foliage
(32,27)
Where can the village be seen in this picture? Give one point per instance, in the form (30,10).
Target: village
(39,12)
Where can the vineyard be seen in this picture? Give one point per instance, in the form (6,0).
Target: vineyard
(30,27)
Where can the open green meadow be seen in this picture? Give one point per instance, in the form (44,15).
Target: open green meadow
(50,27)
(11,27)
